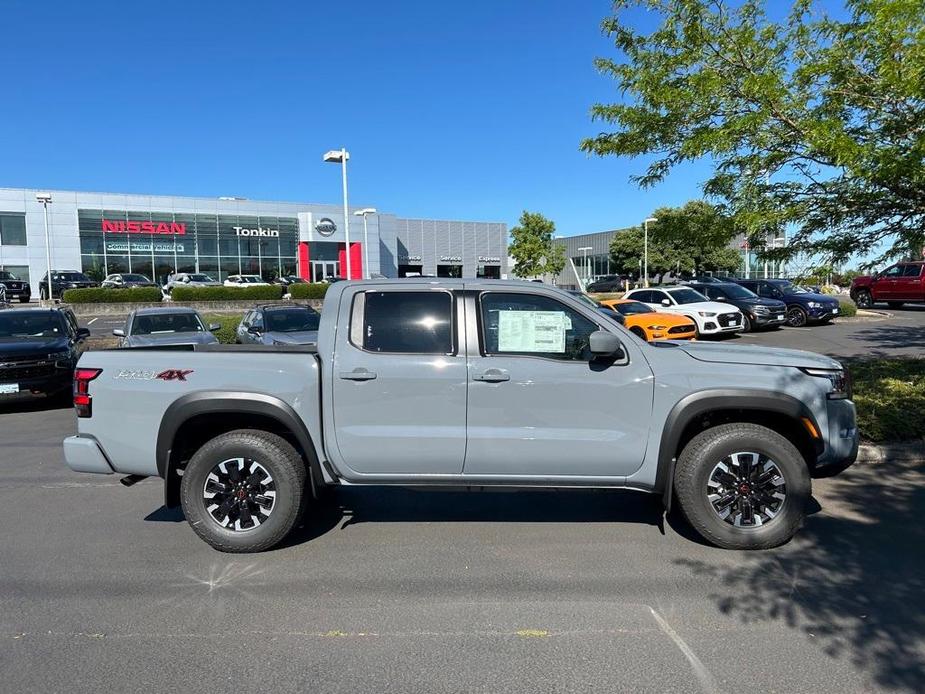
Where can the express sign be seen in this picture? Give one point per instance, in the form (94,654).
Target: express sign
(167,228)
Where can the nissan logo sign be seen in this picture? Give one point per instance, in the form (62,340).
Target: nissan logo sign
(325,226)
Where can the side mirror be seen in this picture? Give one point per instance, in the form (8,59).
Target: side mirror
(666,302)
(83,333)
(214,326)
(605,344)
(118,332)
(254,330)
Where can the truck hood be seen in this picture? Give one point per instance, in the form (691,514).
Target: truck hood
(31,346)
(862,281)
(760,356)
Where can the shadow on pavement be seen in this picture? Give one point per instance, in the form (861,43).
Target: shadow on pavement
(852,582)
(886,338)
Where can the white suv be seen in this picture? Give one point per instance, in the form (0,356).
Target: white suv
(711,317)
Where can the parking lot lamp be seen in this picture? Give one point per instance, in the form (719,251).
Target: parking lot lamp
(340,156)
(584,254)
(645,250)
(45,199)
(364,213)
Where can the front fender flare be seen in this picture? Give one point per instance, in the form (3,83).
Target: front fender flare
(688,408)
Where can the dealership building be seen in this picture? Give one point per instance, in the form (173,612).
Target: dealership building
(105,233)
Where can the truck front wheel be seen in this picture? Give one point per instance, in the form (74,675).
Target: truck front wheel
(243,491)
(742,486)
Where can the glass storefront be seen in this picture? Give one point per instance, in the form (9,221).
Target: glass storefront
(157,243)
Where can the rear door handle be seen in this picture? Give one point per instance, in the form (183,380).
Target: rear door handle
(492,376)
(358,374)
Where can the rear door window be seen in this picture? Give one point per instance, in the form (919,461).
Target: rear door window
(912,270)
(414,322)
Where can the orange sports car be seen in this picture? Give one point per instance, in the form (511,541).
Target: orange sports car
(650,324)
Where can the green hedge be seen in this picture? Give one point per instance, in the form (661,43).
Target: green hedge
(258,293)
(229,323)
(314,290)
(101,295)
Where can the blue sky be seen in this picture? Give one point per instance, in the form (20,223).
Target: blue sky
(468,110)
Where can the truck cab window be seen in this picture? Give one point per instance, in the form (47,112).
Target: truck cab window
(405,322)
(530,325)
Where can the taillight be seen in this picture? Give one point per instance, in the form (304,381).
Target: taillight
(82,401)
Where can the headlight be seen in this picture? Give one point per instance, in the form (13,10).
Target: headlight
(72,285)
(839,378)
(815,304)
(706,314)
(657,327)
(761,310)
(59,355)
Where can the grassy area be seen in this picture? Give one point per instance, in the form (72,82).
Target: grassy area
(229,323)
(846,306)
(890,397)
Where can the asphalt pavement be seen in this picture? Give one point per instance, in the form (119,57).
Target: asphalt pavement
(102,589)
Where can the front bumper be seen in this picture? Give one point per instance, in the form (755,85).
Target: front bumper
(842,438)
(823,313)
(47,384)
(83,454)
(767,320)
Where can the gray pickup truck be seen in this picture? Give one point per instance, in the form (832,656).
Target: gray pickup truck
(466,383)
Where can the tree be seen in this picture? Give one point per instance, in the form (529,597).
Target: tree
(691,238)
(810,121)
(533,249)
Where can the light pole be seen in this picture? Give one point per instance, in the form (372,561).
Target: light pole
(45,199)
(584,262)
(364,213)
(645,250)
(340,156)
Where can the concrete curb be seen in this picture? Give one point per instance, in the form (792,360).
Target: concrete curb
(874,453)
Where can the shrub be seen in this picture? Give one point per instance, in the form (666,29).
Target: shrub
(229,323)
(846,307)
(258,293)
(101,295)
(314,290)
(890,397)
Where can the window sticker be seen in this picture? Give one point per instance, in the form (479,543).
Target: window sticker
(532,331)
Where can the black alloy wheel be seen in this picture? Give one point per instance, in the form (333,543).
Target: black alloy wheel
(796,317)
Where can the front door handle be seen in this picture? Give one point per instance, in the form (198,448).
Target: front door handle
(492,376)
(358,374)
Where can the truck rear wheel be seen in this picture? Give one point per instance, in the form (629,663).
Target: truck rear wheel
(243,491)
(742,486)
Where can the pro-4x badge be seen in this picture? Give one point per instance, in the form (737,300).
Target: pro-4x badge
(174,374)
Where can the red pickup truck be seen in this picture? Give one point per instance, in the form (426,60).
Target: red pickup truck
(897,285)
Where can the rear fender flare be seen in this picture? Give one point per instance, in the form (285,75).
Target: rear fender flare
(188,406)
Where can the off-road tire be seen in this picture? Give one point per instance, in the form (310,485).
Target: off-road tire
(282,462)
(708,448)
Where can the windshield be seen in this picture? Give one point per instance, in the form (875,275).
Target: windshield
(71,277)
(585,299)
(5,275)
(791,288)
(164,323)
(292,320)
(631,308)
(30,325)
(200,278)
(687,296)
(135,278)
(735,291)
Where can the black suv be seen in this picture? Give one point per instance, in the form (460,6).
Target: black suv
(608,283)
(803,306)
(758,312)
(15,287)
(39,348)
(62,280)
